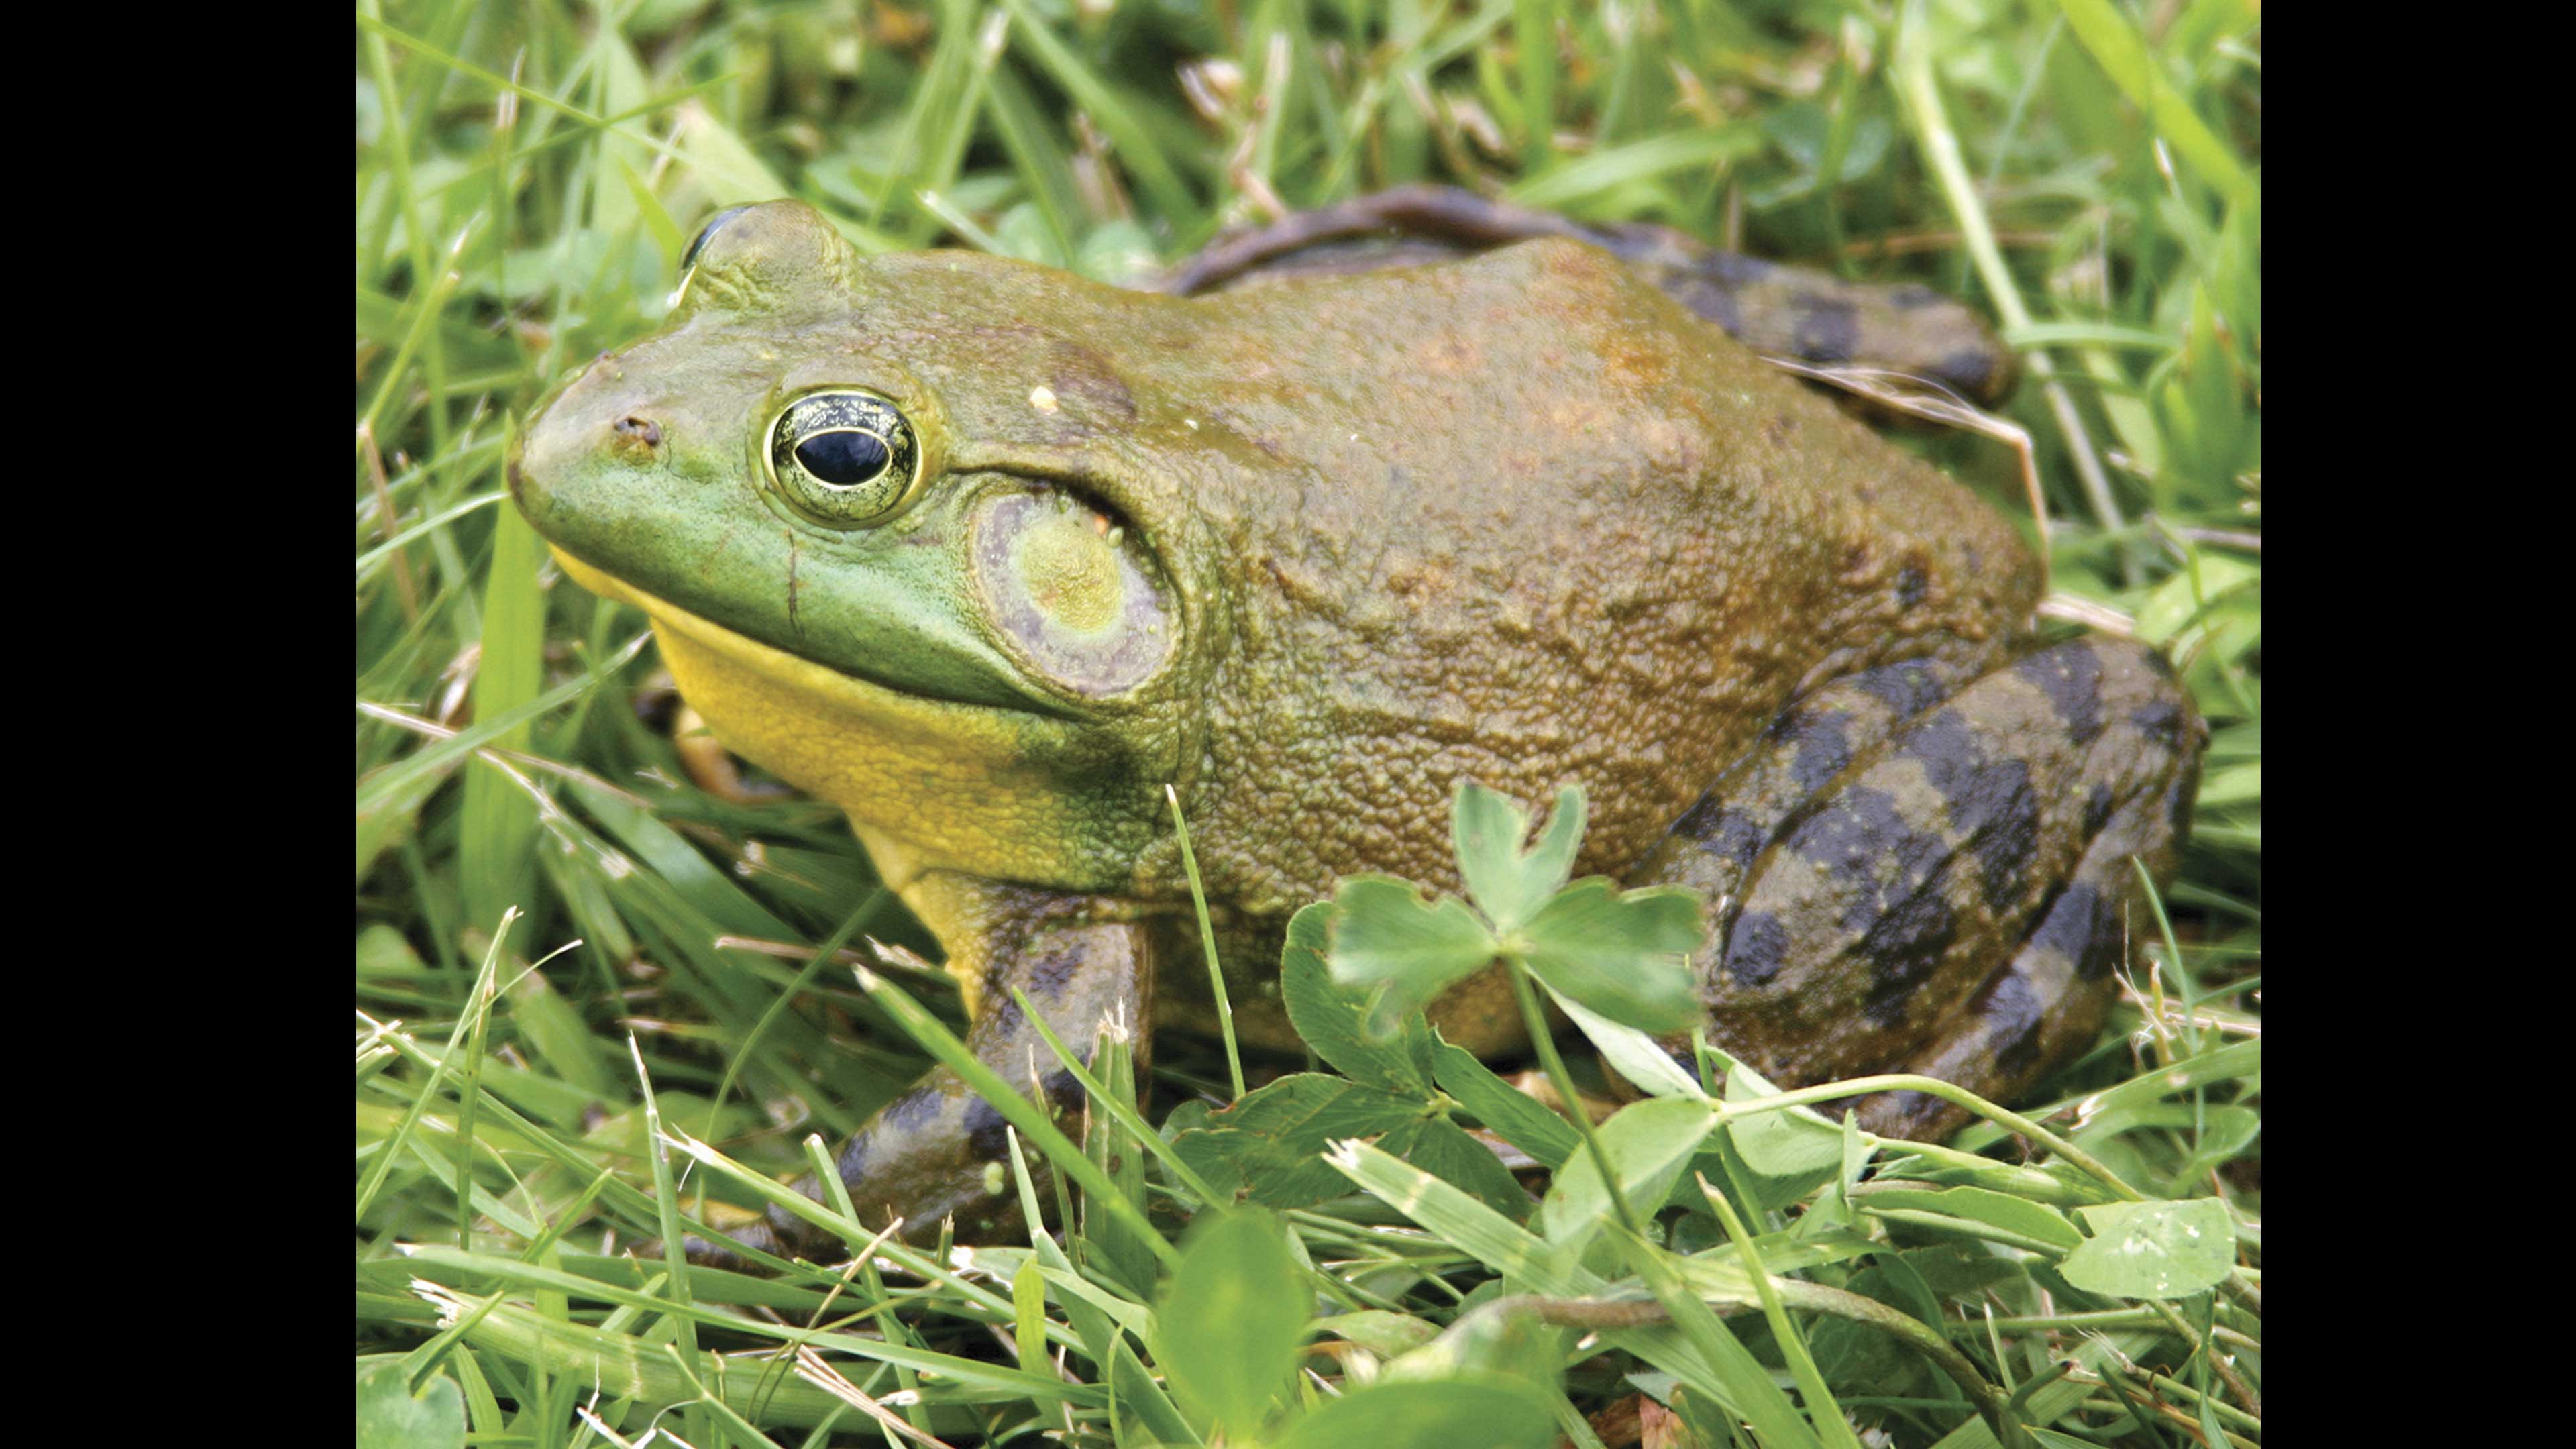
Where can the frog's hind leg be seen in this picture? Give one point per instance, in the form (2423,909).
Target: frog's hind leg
(2045,1006)
(938,1151)
(1819,319)
(1782,311)
(1922,871)
(1400,227)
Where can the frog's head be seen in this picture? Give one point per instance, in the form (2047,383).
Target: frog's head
(883,514)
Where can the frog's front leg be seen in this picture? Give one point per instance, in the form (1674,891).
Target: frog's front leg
(1924,868)
(938,1151)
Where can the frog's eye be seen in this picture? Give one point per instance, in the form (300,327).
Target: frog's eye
(707,233)
(844,457)
(697,244)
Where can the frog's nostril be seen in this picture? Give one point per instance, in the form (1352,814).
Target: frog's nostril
(634,429)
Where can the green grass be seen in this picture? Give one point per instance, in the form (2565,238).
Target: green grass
(2085,171)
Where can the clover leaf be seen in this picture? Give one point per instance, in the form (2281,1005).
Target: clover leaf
(1620,954)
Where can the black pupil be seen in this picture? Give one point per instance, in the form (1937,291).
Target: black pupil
(843,457)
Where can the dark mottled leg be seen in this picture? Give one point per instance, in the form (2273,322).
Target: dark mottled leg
(938,1151)
(1783,311)
(1805,750)
(1914,882)
(2041,1009)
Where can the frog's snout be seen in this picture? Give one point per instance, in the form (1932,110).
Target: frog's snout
(632,434)
(593,418)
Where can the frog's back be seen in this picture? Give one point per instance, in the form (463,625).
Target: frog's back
(1558,530)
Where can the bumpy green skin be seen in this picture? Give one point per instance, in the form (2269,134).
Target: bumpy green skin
(1520,518)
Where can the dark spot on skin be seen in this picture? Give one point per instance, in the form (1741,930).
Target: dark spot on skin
(1899,917)
(1857,833)
(1736,269)
(910,1112)
(2160,720)
(985,1131)
(2097,810)
(2078,926)
(1968,369)
(1063,1090)
(1908,688)
(641,431)
(2071,676)
(1911,585)
(1990,801)
(2102,953)
(1824,749)
(1755,949)
(2005,837)
(2011,1011)
(2178,802)
(1913,296)
(1053,971)
(1721,831)
(1711,301)
(1827,330)
(1947,747)
(853,1165)
(1004,1020)
(1903,945)
(2158,664)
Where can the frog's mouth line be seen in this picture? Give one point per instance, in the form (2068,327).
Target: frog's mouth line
(852,693)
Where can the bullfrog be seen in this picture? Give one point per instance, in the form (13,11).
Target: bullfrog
(988,555)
